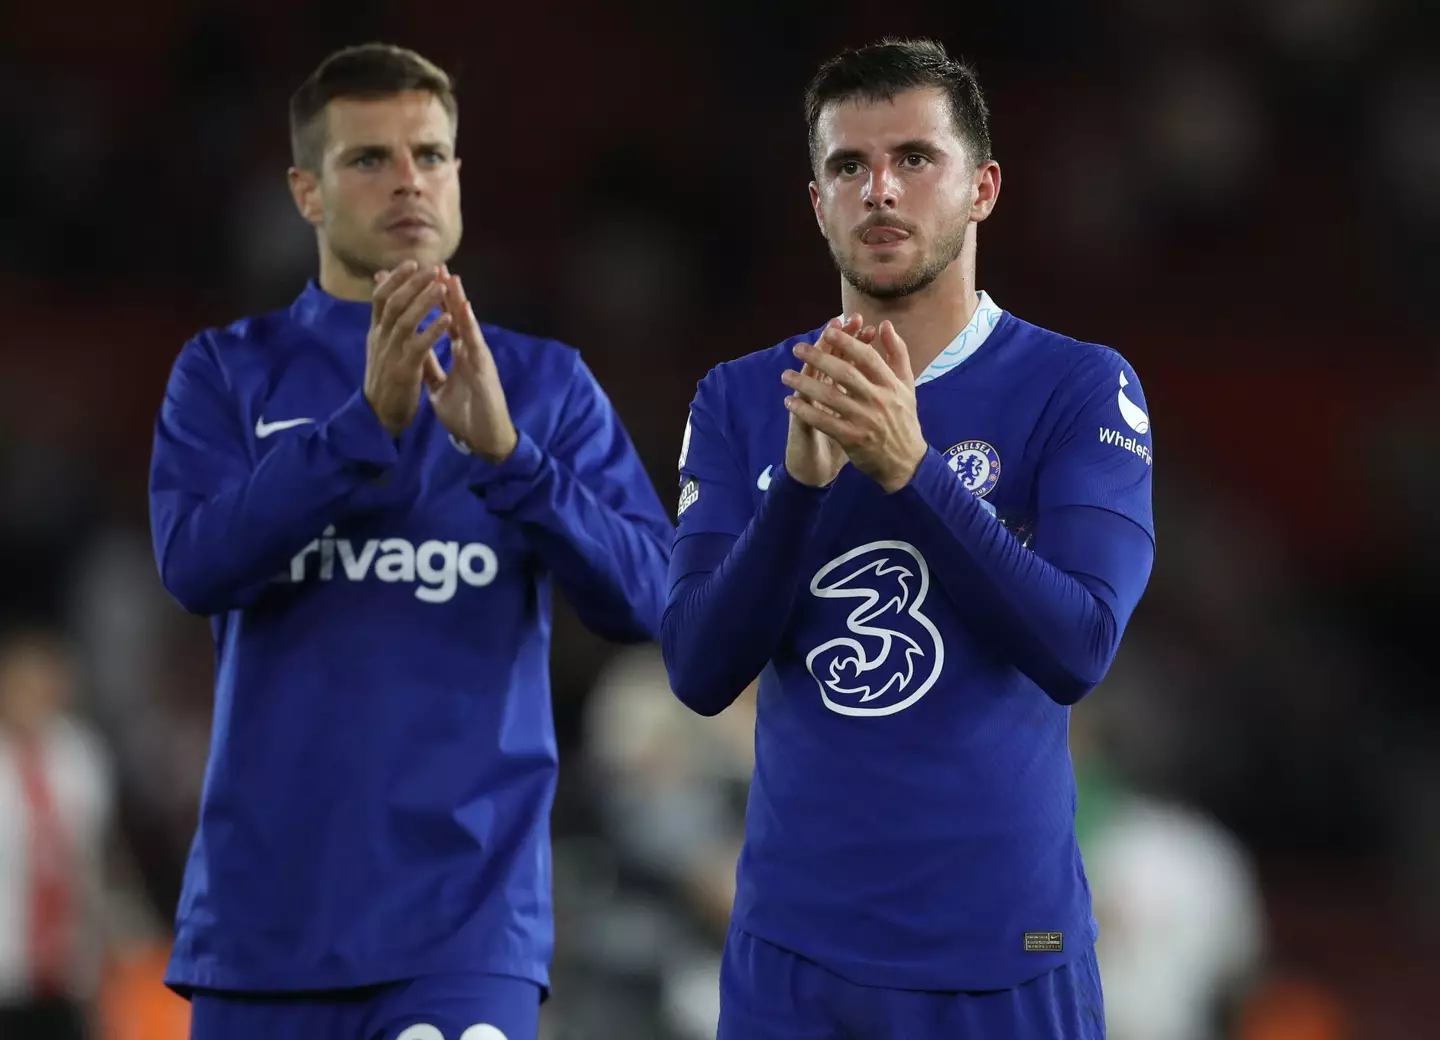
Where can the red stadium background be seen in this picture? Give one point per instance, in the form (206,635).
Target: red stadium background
(1243,196)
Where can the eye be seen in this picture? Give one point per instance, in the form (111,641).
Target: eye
(849,168)
(366,162)
(432,156)
(915,160)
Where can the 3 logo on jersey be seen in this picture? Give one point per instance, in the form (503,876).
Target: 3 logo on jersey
(892,653)
(436,567)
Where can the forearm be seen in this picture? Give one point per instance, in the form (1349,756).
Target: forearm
(216,551)
(1060,625)
(725,616)
(610,562)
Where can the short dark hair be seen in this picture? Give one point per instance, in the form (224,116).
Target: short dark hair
(368,71)
(880,71)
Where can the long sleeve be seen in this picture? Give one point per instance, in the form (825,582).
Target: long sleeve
(222,523)
(736,569)
(590,512)
(730,598)
(1057,612)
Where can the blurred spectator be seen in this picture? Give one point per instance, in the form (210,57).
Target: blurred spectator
(671,788)
(1181,922)
(55,807)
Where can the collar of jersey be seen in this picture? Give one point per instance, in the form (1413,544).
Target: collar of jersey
(318,309)
(972,337)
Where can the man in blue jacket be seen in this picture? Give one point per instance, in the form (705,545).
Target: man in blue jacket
(369,493)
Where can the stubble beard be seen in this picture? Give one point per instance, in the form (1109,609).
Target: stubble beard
(365,265)
(947,251)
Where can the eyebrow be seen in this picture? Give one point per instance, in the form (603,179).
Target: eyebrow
(919,144)
(843,155)
(356,151)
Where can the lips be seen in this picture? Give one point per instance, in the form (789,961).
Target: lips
(883,236)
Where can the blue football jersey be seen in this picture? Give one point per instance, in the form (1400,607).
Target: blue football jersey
(911,816)
(383,761)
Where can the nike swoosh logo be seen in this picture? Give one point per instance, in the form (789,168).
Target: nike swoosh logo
(264,429)
(764,482)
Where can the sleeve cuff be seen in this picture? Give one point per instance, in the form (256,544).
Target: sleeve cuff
(936,487)
(786,486)
(790,503)
(522,467)
(354,431)
(932,468)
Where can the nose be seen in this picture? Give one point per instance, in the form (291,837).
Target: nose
(882,188)
(407,176)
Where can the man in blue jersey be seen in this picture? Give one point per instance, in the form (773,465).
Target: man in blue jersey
(372,859)
(926,540)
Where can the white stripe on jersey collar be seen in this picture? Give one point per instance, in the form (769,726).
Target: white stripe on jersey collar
(971,337)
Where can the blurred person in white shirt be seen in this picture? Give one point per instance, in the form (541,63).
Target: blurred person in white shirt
(56,800)
(1182,925)
(671,786)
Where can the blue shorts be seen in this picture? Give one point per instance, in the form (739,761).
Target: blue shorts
(767,993)
(436,1007)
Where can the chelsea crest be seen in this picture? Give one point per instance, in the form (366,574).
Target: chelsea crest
(977,465)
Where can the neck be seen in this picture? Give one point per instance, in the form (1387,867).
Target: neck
(341,282)
(927,320)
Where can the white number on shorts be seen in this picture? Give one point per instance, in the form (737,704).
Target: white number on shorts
(421,1032)
(429,1032)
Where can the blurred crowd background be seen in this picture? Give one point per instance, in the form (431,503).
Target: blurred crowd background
(1243,196)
